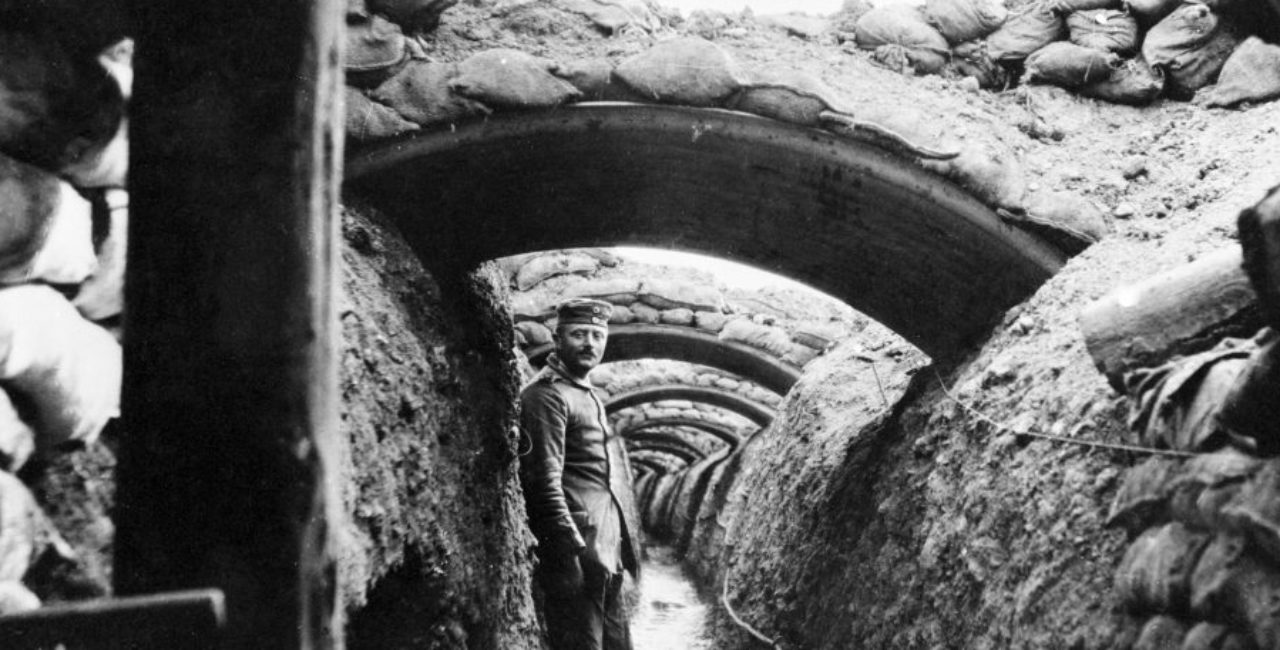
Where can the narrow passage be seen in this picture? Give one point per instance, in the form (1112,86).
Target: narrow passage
(671,615)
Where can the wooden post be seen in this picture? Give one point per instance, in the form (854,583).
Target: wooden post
(1182,311)
(227,465)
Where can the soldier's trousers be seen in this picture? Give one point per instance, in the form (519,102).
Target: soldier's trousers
(594,619)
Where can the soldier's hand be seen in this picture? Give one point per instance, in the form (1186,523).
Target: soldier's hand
(563,577)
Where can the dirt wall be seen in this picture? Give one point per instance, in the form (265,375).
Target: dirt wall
(436,553)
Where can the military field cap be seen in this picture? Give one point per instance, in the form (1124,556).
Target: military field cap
(585,311)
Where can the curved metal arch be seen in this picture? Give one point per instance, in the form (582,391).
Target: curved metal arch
(715,429)
(901,244)
(758,413)
(664,453)
(632,341)
(668,443)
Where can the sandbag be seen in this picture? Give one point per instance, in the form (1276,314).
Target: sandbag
(1070,221)
(786,94)
(960,21)
(1250,411)
(534,333)
(1133,83)
(1210,636)
(644,313)
(972,60)
(1025,32)
(990,170)
(1070,65)
(690,71)
(367,120)
(29,197)
(1250,74)
(677,316)
(595,80)
(622,291)
(764,337)
(1160,633)
(1191,45)
(1176,404)
(1107,30)
(101,296)
(17,440)
(1143,498)
(667,294)
(1151,11)
(46,228)
(540,268)
(1154,576)
(54,104)
(895,26)
(420,92)
(505,78)
(1066,7)
(1200,491)
(1234,586)
(66,368)
(375,49)
(613,16)
(413,15)
(1255,512)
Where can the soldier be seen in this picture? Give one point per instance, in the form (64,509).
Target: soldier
(583,539)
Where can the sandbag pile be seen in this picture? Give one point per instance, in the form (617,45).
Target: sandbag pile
(1202,570)
(63,163)
(543,280)
(1122,51)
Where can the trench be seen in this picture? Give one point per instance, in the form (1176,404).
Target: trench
(670,613)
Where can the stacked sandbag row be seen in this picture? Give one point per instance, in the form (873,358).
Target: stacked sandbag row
(613,382)
(653,301)
(1204,569)
(1123,51)
(63,214)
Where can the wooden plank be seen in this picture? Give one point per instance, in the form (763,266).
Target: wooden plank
(1184,310)
(188,619)
(227,471)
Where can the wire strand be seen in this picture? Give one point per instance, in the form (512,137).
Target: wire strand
(1056,438)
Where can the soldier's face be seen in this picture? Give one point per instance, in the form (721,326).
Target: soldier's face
(581,346)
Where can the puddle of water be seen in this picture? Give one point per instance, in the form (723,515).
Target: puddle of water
(671,615)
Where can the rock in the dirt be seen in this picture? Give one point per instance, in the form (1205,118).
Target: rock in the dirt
(1133,83)
(1034,27)
(902,28)
(1070,65)
(689,71)
(1250,74)
(506,78)
(1106,30)
(1155,575)
(420,93)
(960,21)
(1191,46)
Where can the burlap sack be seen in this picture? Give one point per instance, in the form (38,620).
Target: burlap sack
(504,78)
(367,120)
(420,92)
(1250,74)
(1134,83)
(690,71)
(1070,65)
(1191,46)
(1034,27)
(1107,30)
(904,27)
(960,21)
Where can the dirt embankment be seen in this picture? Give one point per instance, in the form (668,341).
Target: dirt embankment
(436,554)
